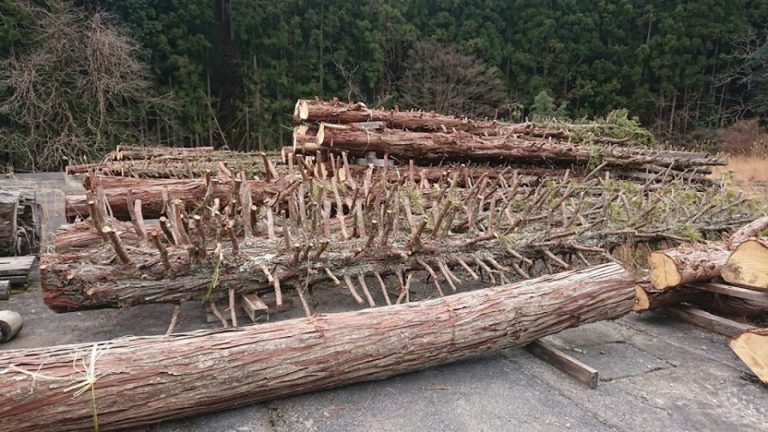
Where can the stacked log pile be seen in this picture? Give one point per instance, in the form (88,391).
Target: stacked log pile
(699,275)
(19,222)
(451,235)
(310,230)
(333,126)
(174,163)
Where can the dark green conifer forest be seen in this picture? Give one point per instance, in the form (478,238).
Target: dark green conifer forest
(79,77)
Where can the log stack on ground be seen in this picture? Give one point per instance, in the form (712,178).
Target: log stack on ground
(19,222)
(320,230)
(139,383)
(685,264)
(333,126)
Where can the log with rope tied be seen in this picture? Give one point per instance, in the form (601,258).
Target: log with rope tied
(132,381)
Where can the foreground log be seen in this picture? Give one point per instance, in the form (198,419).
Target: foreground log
(752,348)
(139,383)
(748,265)
(424,146)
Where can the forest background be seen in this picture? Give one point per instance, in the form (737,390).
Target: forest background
(79,77)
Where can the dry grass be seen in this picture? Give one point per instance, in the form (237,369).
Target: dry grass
(750,169)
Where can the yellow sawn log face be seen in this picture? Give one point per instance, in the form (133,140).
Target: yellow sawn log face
(752,348)
(748,265)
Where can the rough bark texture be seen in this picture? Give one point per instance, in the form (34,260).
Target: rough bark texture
(341,112)
(139,383)
(752,348)
(687,263)
(748,265)
(752,229)
(19,222)
(189,192)
(647,298)
(423,146)
(166,162)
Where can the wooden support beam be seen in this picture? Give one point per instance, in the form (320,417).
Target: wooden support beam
(567,364)
(706,320)
(759,298)
(253,306)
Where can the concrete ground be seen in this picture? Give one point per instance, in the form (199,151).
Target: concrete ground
(656,373)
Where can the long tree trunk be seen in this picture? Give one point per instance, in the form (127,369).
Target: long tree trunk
(369,227)
(139,383)
(190,192)
(423,146)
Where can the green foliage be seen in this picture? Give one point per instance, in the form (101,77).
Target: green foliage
(676,65)
(544,109)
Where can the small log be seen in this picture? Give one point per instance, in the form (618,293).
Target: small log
(686,264)
(748,265)
(11,324)
(647,298)
(752,348)
(211,370)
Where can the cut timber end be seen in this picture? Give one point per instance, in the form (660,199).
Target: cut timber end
(752,348)
(10,325)
(300,111)
(748,265)
(663,271)
(642,303)
(320,135)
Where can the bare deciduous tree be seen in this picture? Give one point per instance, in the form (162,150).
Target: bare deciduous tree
(78,90)
(441,78)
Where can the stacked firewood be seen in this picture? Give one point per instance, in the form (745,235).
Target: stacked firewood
(20,225)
